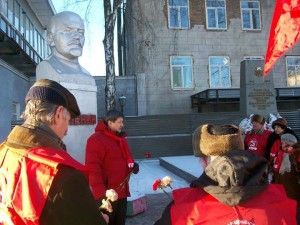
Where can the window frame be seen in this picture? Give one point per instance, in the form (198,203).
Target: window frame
(206,15)
(182,72)
(287,75)
(16,112)
(179,21)
(251,13)
(210,71)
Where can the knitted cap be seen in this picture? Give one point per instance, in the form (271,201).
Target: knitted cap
(216,140)
(289,138)
(53,92)
(280,122)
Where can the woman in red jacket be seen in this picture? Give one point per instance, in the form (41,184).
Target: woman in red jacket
(110,163)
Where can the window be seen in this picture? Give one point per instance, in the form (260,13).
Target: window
(16,111)
(219,72)
(10,10)
(216,14)
(181,72)
(17,15)
(4,7)
(293,70)
(250,11)
(178,14)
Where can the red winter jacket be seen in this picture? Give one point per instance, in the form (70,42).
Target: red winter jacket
(28,175)
(106,163)
(194,206)
(256,142)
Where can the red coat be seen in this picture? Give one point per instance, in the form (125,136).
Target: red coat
(106,163)
(256,142)
(27,176)
(194,206)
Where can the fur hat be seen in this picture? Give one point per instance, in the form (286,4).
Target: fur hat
(212,140)
(53,92)
(289,138)
(280,122)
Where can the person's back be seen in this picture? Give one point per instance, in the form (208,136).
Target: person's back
(233,188)
(40,182)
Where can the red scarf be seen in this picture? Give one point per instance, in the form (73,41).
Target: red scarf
(277,155)
(122,142)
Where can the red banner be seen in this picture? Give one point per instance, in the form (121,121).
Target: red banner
(284,32)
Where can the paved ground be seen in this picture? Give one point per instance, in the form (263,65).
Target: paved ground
(156,205)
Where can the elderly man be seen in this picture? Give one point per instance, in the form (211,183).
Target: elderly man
(40,182)
(65,35)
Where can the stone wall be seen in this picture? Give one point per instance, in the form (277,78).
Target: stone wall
(150,43)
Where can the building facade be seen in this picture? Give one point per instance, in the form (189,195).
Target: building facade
(184,47)
(22,47)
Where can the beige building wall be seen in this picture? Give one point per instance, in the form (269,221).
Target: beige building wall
(150,43)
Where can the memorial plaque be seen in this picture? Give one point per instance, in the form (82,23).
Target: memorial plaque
(257,93)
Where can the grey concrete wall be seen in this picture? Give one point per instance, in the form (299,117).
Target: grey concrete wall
(13,89)
(125,85)
(150,44)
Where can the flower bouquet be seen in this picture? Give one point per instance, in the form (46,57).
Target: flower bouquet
(162,184)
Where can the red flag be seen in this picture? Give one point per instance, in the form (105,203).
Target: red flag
(285,31)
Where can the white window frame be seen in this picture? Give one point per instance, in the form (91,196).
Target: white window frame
(229,77)
(297,84)
(251,13)
(182,73)
(179,17)
(216,9)
(16,111)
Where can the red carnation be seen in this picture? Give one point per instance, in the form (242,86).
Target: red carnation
(156,184)
(147,156)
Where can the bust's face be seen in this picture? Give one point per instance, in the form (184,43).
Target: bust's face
(68,37)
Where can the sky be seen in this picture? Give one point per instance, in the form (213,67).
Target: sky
(92,58)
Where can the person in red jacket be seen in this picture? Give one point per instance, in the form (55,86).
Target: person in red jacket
(256,139)
(40,183)
(110,164)
(233,188)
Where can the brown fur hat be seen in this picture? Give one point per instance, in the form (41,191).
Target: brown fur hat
(217,140)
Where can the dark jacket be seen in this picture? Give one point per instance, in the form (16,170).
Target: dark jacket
(233,179)
(69,191)
(273,137)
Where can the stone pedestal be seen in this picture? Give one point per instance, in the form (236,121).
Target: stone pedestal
(257,93)
(84,88)
(136,204)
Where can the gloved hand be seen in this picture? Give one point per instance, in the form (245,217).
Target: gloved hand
(99,203)
(136,168)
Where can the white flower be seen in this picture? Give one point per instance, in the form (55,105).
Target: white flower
(106,205)
(166,181)
(111,195)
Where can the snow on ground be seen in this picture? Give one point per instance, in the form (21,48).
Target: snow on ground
(150,170)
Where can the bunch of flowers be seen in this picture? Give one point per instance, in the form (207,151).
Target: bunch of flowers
(111,196)
(162,184)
